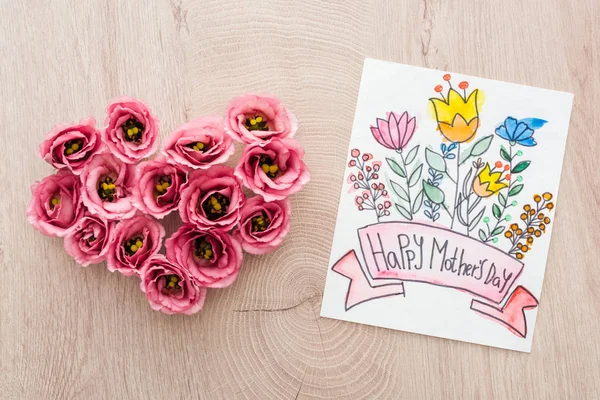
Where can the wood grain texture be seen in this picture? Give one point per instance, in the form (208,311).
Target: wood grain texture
(68,332)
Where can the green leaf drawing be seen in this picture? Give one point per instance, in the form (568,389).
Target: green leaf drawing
(400,191)
(397,168)
(476,220)
(502,199)
(497,231)
(482,235)
(520,167)
(460,209)
(496,211)
(480,147)
(404,212)
(475,204)
(433,193)
(415,176)
(410,157)
(435,160)
(467,182)
(515,190)
(418,202)
(504,154)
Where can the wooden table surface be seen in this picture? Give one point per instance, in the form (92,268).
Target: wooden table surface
(70,332)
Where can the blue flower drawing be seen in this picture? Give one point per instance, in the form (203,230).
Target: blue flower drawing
(520,131)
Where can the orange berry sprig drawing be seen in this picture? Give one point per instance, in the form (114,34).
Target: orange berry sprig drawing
(536,222)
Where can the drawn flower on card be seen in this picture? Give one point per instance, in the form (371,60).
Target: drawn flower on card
(457,114)
(395,131)
(519,131)
(488,182)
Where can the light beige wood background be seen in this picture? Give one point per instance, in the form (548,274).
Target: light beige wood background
(69,332)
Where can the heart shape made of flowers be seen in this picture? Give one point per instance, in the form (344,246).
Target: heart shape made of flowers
(107,197)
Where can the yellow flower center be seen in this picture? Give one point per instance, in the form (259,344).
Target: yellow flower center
(133,130)
(256,123)
(106,189)
(260,223)
(54,201)
(73,146)
(203,249)
(172,283)
(198,146)
(268,166)
(162,184)
(215,206)
(133,245)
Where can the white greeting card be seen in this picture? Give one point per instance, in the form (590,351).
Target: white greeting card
(447,205)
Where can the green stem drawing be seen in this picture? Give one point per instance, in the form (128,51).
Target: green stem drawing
(504,206)
(407,185)
(456,186)
(511,190)
(407,205)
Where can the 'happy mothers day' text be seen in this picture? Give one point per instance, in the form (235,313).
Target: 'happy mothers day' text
(418,254)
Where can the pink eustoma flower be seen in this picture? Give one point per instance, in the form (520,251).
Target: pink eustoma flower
(212,198)
(213,257)
(131,131)
(170,288)
(90,239)
(263,225)
(70,146)
(273,169)
(55,204)
(199,144)
(255,118)
(107,187)
(136,240)
(395,132)
(158,187)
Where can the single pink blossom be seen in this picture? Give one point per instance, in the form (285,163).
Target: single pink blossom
(263,225)
(213,257)
(170,288)
(70,146)
(199,144)
(107,187)
(212,198)
(273,169)
(135,241)
(55,204)
(131,131)
(254,118)
(158,187)
(395,132)
(90,239)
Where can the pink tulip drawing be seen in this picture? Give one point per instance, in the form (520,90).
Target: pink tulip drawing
(395,132)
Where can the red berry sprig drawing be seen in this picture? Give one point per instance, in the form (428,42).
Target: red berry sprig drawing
(374,195)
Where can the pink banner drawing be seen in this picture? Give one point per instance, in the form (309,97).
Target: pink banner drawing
(398,252)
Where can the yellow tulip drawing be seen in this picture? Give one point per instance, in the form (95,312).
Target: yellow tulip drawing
(487,183)
(457,114)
